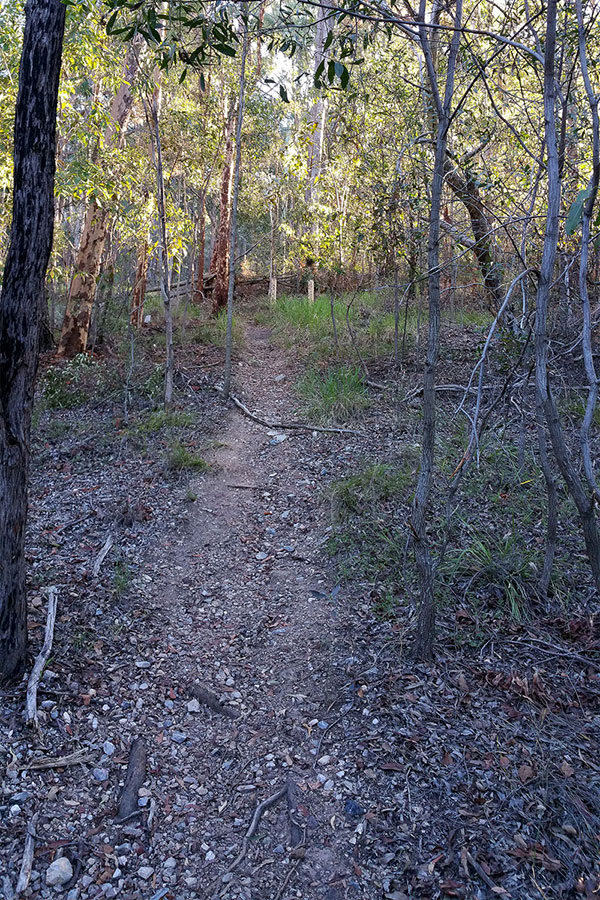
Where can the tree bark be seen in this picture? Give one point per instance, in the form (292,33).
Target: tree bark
(234,209)
(198,295)
(219,265)
(78,312)
(139,286)
(163,250)
(26,262)
(425,633)
(467,192)
(584,500)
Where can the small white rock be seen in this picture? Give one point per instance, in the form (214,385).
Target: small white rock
(59,872)
(145,872)
(193,706)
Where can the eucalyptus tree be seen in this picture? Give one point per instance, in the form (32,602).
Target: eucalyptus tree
(30,243)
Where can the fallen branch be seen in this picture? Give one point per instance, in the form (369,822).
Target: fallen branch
(40,661)
(27,861)
(286,426)
(297,832)
(103,554)
(58,762)
(258,814)
(287,880)
(134,779)
(442,388)
(483,874)
(210,699)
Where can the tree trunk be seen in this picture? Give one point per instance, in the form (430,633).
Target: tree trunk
(583,499)
(24,273)
(139,286)
(425,634)
(163,253)
(236,192)
(78,312)
(219,265)
(467,192)
(198,295)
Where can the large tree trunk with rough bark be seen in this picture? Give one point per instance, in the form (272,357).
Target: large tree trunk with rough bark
(80,302)
(24,274)
(219,265)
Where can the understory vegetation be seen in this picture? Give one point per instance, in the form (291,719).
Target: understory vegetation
(299,442)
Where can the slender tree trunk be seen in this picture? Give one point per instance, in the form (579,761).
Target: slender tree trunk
(219,265)
(198,295)
(236,192)
(138,295)
(584,500)
(24,274)
(425,633)
(467,192)
(163,253)
(78,312)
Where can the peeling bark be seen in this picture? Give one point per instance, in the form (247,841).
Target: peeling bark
(80,302)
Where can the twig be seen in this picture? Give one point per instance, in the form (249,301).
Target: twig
(57,762)
(258,813)
(442,388)
(289,425)
(560,651)
(102,555)
(483,874)
(27,861)
(160,894)
(287,880)
(40,661)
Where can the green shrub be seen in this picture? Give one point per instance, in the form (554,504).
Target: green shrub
(64,385)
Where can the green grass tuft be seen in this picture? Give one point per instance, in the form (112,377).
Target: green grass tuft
(338,395)
(181,457)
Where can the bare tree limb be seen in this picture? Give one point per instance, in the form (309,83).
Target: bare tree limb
(41,660)
(284,426)
(27,861)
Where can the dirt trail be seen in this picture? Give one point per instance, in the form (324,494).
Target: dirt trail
(248,611)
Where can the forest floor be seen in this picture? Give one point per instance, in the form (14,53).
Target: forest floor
(477,776)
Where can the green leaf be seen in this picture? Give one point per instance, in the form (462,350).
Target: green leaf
(318,73)
(225,49)
(111,21)
(283,94)
(344,77)
(576,212)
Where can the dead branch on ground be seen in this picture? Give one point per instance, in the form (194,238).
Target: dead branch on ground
(134,779)
(40,661)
